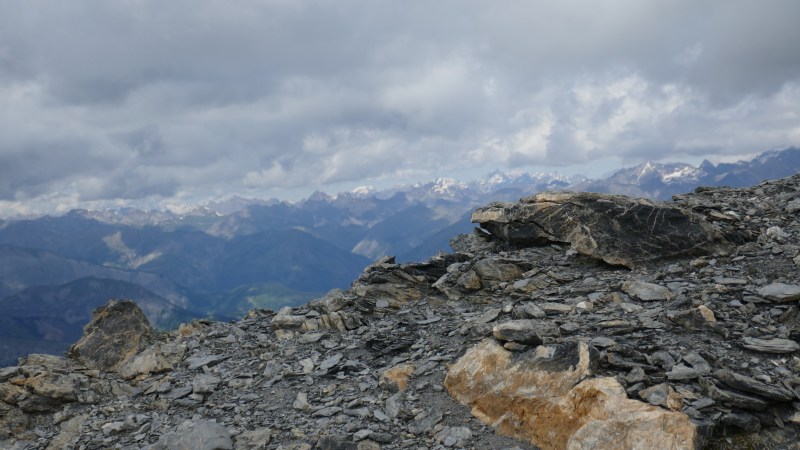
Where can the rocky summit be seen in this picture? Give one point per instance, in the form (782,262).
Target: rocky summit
(566,321)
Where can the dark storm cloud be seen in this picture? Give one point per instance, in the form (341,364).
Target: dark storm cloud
(138,99)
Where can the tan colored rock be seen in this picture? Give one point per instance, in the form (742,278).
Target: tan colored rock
(188,329)
(341,321)
(707,314)
(388,296)
(493,270)
(286,320)
(57,386)
(399,375)
(469,280)
(70,433)
(151,360)
(544,396)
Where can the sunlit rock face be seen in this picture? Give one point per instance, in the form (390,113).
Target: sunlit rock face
(545,396)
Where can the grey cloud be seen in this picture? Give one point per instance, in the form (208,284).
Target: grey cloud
(112,100)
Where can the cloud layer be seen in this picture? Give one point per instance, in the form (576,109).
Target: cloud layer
(141,99)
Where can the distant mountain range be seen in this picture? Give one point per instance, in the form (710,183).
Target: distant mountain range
(223,258)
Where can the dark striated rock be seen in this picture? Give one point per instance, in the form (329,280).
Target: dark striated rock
(522,331)
(730,398)
(616,229)
(775,345)
(747,384)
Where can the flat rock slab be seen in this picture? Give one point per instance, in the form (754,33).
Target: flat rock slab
(195,435)
(780,292)
(776,345)
(617,229)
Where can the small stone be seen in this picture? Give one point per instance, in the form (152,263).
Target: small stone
(742,420)
(780,292)
(602,342)
(380,415)
(424,422)
(569,327)
(331,362)
(360,435)
(646,291)
(113,428)
(196,362)
(453,436)
(469,280)
(272,369)
(392,406)
(631,307)
(257,439)
(528,311)
(307,365)
(489,315)
(398,376)
(301,402)
(205,384)
(327,411)
(777,345)
(707,314)
(555,308)
(523,331)
(662,395)
(681,372)
(697,362)
(337,442)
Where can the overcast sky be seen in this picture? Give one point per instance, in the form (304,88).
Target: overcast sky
(159,101)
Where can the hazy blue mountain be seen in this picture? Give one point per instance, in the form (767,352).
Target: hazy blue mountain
(21,268)
(292,258)
(56,314)
(768,165)
(661,181)
(438,241)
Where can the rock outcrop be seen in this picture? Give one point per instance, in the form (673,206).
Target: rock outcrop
(614,228)
(546,396)
(524,337)
(117,332)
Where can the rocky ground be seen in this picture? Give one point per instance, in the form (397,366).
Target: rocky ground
(572,321)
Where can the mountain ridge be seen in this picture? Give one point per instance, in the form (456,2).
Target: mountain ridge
(568,320)
(274,253)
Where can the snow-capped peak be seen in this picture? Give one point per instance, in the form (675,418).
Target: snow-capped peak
(363,191)
(448,186)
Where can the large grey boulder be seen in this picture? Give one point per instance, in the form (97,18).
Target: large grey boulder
(117,332)
(617,229)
